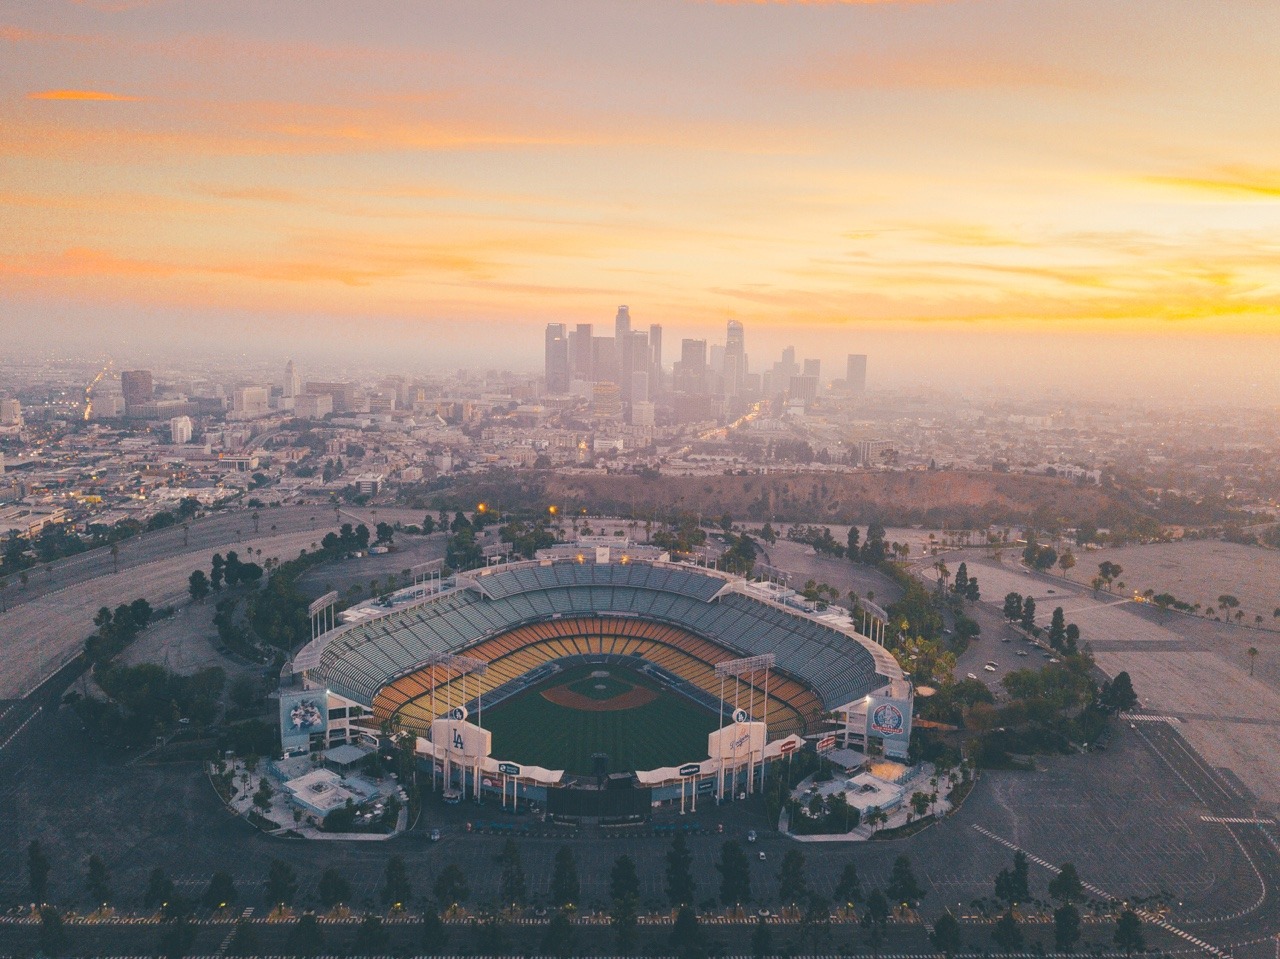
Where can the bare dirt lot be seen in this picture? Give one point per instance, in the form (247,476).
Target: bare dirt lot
(1199,571)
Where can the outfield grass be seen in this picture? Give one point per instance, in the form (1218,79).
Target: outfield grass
(668,731)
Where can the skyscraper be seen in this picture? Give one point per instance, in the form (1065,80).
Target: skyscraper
(735,358)
(655,359)
(136,386)
(580,360)
(856,376)
(813,368)
(623,347)
(557,358)
(292,380)
(691,377)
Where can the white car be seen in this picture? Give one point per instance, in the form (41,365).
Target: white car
(971,676)
(989,668)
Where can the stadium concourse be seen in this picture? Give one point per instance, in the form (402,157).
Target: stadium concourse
(605,640)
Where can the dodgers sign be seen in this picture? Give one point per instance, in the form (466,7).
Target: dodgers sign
(740,716)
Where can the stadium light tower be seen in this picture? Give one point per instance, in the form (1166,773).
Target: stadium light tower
(744,671)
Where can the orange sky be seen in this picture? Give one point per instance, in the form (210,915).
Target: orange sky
(1041,166)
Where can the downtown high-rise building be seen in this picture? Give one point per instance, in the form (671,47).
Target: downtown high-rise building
(624,349)
(691,373)
(580,352)
(292,381)
(734,364)
(655,359)
(855,378)
(556,361)
(137,387)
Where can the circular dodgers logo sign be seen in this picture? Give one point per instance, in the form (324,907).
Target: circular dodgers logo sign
(740,716)
(887,719)
(458,713)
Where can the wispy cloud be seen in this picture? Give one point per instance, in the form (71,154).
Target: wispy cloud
(81,95)
(1233,182)
(937,69)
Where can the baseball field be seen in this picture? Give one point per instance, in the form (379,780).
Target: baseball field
(562,722)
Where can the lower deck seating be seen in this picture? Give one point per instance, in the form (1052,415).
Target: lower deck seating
(422,695)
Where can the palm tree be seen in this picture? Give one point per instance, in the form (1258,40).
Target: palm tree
(186,530)
(1253,654)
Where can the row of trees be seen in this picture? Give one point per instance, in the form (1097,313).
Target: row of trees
(902,892)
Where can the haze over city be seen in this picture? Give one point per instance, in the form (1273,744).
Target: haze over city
(1059,186)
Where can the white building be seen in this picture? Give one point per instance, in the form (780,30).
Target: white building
(180,429)
(10,413)
(251,401)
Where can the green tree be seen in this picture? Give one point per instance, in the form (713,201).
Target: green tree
(396,890)
(159,889)
(306,937)
(1057,628)
(435,937)
(198,585)
(1066,885)
(451,885)
(1128,935)
(946,935)
(680,883)
(512,881)
(52,938)
(1013,606)
(559,936)
(792,885)
(686,933)
(1066,928)
(98,881)
(220,892)
(333,888)
(874,919)
(1252,652)
(282,883)
(564,878)
(902,886)
(735,874)
(1118,695)
(624,884)
(849,886)
(1007,934)
(625,924)
(851,543)
(761,939)
(37,872)
(1028,619)
(371,938)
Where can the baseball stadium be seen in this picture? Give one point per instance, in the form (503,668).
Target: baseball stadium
(602,668)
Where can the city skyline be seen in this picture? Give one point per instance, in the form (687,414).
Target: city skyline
(1061,184)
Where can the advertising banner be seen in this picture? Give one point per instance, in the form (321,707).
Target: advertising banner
(890,721)
(302,714)
(463,740)
(738,741)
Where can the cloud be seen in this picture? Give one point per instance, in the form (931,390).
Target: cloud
(1230,182)
(81,95)
(939,69)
